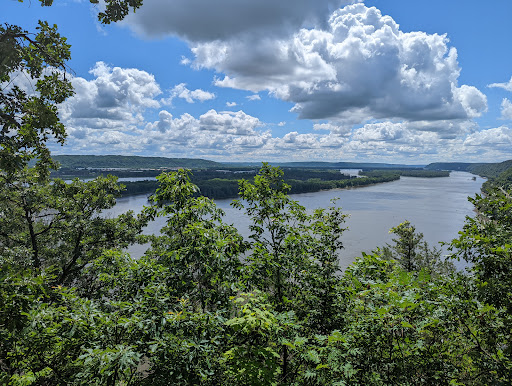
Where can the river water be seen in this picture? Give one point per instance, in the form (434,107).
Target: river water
(436,206)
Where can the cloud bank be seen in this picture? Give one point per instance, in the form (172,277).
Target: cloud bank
(360,67)
(206,20)
(370,90)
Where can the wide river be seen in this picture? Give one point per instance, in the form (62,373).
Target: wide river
(436,206)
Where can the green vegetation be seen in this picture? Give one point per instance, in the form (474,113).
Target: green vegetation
(224,184)
(204,306)
(458,166)
(221,184)
(487,170)
(130,162)
(413,254)
(491,170)
(73,164)
(503,179)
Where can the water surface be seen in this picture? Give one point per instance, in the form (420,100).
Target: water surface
(436,206)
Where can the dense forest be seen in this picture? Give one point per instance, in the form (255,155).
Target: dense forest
(205,306)
(130,162)
(221,184)
(487,170)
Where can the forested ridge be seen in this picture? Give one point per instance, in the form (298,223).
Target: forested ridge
(130,162)
(487,170)
(206,306)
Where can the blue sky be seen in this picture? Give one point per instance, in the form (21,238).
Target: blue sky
(397,81)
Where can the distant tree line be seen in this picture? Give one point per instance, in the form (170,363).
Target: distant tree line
(220,188)
(224,184)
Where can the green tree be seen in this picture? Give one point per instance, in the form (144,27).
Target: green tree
(413,253)
(29,117)
(114,10)
(293,255)
(201,251)
(58,226)
(486,243)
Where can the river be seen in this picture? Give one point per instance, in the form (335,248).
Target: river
(436,206)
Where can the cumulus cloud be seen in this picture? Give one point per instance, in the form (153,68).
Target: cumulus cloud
(185,61)
(395,142)
(181,91)
(356,68)
(205,20)
(386,131)
(231,104)
(229,122)
(314,143)
(254,97)
(211,129)
(500,137)
(506,109)
(506,86)
(235,134)
(114,99)
(333,128)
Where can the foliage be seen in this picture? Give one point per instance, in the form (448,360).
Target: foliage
(405,328)
(204,306)
(413,253)
(114,10)
(56,226)
(290,248)
(201,251)
(485,242)
(28,115)
(131,162)
(253,357)
(503,179)
(293,256)
(491,170)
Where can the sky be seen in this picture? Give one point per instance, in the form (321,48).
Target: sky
(396,81)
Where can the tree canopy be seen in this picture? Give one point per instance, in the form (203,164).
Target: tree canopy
(206,306)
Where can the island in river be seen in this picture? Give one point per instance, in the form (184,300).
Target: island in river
(223,183)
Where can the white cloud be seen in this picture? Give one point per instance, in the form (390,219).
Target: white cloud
(231,104)
(471,99)
(223,130)
(506,109)
(254,97)
(185,61)
(500,137)
(312,144)
(114,99)
(181,91)
(506,86)
(386,131)
(488,145)
(338,129)
(281,124)
(357,68)
(229,122)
